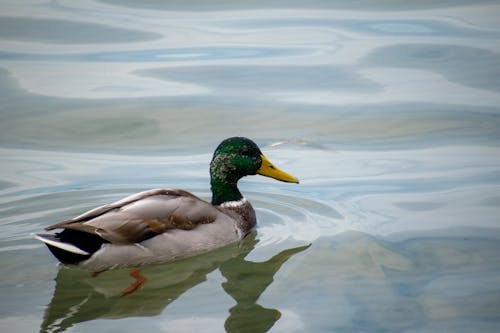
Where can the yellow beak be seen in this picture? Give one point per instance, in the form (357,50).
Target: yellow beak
(269,170)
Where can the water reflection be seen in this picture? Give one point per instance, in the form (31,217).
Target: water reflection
(246,281)
(79,297)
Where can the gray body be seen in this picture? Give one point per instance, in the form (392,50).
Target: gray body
(156,226)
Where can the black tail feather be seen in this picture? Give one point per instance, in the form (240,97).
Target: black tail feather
(65,257)
(89,243)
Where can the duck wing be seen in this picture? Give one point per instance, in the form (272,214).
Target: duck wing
(143,215)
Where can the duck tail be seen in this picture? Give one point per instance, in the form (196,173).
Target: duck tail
(71,247)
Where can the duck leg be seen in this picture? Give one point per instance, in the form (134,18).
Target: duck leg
(139,282)
(97,273)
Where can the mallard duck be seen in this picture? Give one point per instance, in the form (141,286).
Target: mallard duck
(162,225)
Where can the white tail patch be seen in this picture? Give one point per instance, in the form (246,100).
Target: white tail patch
(63,246)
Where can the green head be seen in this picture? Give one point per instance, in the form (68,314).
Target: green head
(235,158)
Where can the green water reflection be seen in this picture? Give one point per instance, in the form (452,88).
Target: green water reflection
(79,297)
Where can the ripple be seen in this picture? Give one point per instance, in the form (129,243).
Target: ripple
(67,32)
(265,79)
(20,247)
(286,217)
(466,65)
(419,206)
(385,26)
(159,55)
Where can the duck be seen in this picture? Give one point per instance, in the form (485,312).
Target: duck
(165,224)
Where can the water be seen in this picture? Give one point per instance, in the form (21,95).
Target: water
(387,112)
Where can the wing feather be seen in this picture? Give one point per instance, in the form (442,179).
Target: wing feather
(143,215)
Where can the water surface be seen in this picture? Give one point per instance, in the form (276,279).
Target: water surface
(387,112)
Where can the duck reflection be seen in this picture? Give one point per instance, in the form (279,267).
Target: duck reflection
(246,281)
(79,297)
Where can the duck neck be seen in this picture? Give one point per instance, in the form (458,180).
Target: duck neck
(224,191)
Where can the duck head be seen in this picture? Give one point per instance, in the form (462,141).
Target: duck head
(235,158)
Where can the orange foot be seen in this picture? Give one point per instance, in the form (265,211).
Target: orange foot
(139,281)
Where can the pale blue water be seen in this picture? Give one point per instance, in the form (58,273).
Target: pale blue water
(388,112)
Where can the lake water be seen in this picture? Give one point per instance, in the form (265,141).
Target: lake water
(388,112)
